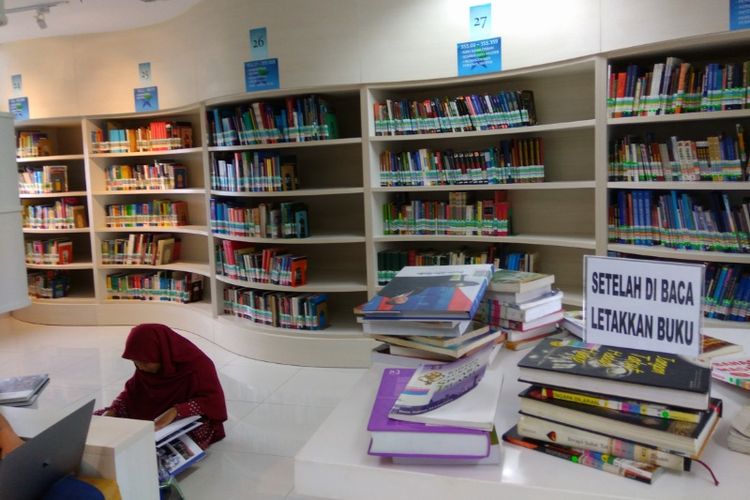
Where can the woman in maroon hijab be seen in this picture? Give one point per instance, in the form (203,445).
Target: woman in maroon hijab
(173,379)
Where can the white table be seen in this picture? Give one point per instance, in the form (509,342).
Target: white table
(334,462)
(116,448)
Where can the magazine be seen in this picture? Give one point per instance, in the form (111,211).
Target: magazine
(175,450)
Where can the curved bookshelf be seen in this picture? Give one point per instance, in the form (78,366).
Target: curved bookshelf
(48,159)
(133,192)
(77,230)
(734,114)
(489,187)
(671,253)
(340,326)
(53,195)
(289,145)
(290,194)
(139,154)
(62,267)
(189,267)
(558,241)
(320,239)
(327,282)
(189,229)
(682,186)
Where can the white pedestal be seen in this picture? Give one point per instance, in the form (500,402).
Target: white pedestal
(334,462)
(116,448)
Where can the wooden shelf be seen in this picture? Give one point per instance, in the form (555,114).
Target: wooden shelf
(62,267)
(671,253)
(189,267)
(327,282)
(139,154)
(290,194)
(683,186)
(48,159)
(320,239)
(289,145)
(733,114)
(557,241)
(200,230)
(78,230)
(489,187)
(66,194)
(134,192)
(531,129)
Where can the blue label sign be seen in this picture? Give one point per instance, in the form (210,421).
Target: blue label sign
(261,75)
(258,44)
(19,108)
(480,21)
(739,14)
(480,56)
(146,99)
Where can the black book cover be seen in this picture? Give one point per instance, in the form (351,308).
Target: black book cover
(618,364)
(676,427)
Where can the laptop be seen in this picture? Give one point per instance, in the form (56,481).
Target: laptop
(23,390)
(29,470)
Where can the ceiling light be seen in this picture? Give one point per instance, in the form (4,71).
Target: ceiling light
(41,9)
(39,16)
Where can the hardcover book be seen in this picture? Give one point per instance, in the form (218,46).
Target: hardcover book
(410,439)
(495,457)
(675,435)
(505,280)
(735,372)
(629,373)
(422,329)
(454,351)
(431,292)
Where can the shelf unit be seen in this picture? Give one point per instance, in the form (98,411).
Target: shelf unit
(691,126)
(562,218)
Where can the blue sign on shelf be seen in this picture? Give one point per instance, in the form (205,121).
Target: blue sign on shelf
(261,75)
(258,44)
(146,99)
(739,14)
(19,108)
(480,56)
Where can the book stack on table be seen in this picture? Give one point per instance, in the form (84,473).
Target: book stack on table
(625,411)
(439,414)
(424,314)
(523,305)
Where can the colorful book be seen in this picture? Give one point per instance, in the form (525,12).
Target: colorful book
(505,280)
(623,372)
(555,432)
(431,292)
(683,437)
(453,351)
(735,372)
(644,473)
(390,437)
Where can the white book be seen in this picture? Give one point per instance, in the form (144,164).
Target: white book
(17,391)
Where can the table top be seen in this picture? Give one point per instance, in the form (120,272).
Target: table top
(334,462)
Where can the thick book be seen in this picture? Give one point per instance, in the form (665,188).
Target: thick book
(735,372)
(454,351)
(495,457)
(395,438)
(519,297)
(431,292)
(529,311)
(505,280)
(523,326)
(408,328)
(175,450)
(22,390)
(389,355)
(574,322)
(555,432)
(520,335)
(476,330)
(683,437)
(619,371)
(474,410)
(645,473)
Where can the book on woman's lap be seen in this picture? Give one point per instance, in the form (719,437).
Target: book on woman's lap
(175,450)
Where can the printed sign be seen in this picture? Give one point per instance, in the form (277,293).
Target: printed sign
(146,99)
(144,72)
(480,21)
(261,75)
(258,44)
(19,108)
(644,304)
(479,56)
(739,14)
(16,83)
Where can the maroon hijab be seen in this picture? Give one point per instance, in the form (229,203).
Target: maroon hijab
(186,373)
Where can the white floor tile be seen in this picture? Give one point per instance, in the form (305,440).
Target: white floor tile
(251,380)
(317,387)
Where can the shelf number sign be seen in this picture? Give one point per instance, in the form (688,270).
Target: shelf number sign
(480,21)
(144,72)
(258,44)
(16,83)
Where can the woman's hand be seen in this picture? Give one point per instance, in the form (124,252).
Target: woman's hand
(165,418)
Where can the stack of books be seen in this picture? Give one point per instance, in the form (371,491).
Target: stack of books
(438,414)
(426,312)
(626,411)
(524,306)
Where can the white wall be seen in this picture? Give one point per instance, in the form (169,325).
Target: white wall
(200,54)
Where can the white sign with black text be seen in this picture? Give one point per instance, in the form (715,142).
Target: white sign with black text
(643,304)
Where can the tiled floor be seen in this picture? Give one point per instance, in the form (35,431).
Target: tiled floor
(273,409)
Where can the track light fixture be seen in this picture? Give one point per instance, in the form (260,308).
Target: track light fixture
(40,11)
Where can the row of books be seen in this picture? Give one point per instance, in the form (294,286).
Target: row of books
(43,179)
(489,111)
(457,216)
(514,161)
(651,411)
(161,174)
(48,284)
(676,86)
(293,119)
(156,136)
(267,220)
(295,311)
(141,249)
(242,261)
(391,261)
(677,220)
(727,292)
(717,158)
(32,143)
(163,286)
(56,251)
(153,213)
(254,171)
(61,214)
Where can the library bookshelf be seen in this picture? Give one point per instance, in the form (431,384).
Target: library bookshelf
(560,219)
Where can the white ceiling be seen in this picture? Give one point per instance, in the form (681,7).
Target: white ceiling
(89,16)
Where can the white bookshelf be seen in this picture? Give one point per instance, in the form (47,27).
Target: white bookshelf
(64,194)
